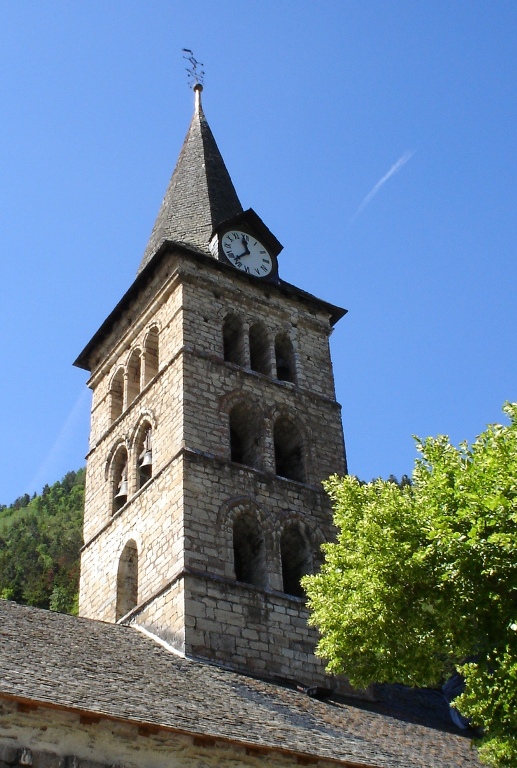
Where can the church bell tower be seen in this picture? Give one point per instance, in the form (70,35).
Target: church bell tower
(214,421)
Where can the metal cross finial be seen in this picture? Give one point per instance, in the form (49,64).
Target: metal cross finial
(194,70)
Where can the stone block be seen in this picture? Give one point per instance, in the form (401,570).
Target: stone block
(8,754)
(47,760)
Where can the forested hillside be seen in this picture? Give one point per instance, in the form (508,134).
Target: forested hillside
(40,540)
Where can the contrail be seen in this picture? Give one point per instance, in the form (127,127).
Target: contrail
(394,168)
(51,462)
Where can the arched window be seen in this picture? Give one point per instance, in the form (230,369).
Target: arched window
(249,551)
(127,580)
(296,559)
(288,450)
(233,341)
(116,395)
(151,355)
(119,481)
(144,454)
(284,354)
(133,376)
(259,349)
(245,435)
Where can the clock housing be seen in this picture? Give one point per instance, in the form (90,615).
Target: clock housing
(246,253)
(247,244)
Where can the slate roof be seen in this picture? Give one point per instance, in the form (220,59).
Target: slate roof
(116,671)
(200,194)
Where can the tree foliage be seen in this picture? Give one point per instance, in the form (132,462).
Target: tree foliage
(422,580)
(40,541)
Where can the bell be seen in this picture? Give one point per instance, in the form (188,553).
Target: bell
(147,459)
(122,491)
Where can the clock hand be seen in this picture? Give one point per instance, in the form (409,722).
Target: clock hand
(240,255)
(245,244)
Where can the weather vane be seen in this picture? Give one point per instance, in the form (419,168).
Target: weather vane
(194,70)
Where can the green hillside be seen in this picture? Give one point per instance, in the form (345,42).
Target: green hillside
(40,541)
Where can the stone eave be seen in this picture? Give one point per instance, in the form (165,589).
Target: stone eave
(150,727)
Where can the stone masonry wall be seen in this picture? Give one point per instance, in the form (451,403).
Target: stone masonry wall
(181,521)
(216,491)
(252,630)
(261,630)
(160,401)
(153,519)
(152,516)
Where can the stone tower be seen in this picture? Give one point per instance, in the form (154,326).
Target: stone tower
(214,420)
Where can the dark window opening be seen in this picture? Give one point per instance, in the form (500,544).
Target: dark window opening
(127,580)
(284,354)
(144,452)
(117,395)
(120,480)
(133,376)
(296,560)
(245,436)
(259,349)
(288,450)
(249,552)
(151,353)
(233,346)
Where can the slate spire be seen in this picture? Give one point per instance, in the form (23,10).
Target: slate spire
(200,194)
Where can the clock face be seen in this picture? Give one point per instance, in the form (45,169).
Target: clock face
(247,254)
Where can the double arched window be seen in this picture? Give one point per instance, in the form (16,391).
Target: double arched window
(127,471)
(291,556)
(127,383)
(255,349)
(247,443)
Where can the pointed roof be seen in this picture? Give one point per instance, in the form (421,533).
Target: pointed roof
(200,194)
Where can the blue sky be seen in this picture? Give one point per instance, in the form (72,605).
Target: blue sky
(376,140)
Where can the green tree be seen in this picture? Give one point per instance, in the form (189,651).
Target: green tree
(40,541)
(422,580)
